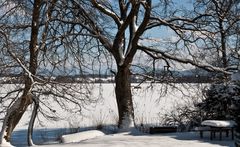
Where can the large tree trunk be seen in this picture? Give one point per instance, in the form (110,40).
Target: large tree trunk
(124,98)
(16,111)
(14,114)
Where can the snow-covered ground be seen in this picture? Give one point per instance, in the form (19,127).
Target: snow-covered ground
(136,139)
(150,104)
(190,139)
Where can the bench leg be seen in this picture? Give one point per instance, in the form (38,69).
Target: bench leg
(236,145)
(227,133)
(211,135)
(201,134)
(220,134)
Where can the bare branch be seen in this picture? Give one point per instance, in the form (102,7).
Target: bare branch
(107,12)
(161,54)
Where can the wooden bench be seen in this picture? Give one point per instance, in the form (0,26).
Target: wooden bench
(163,129)
(216,126)
(214,130)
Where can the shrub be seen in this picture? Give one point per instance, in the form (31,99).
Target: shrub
(221,101)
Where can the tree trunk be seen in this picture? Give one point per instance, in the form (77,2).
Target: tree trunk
(16,111)
(32,120)
(124,98)
(14,114)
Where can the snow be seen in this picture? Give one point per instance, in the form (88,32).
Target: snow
(77,137)
(127,123)
(121,54)
(137,139)
(218,123)
(5,144)
(3,141)
(150,103)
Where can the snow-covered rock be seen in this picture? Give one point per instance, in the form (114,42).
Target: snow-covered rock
(77,137)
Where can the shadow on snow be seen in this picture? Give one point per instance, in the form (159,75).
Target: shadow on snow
(52,136)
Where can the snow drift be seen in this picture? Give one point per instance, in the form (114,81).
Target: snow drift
(77,137)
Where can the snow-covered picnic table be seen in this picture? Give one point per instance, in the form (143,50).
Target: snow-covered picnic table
(214,126)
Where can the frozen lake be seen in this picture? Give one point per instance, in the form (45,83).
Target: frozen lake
(151,103)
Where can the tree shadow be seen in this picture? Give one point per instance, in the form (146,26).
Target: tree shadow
(40,136)
(226,141)
(52,135)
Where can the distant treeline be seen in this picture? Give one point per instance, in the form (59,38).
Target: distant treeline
(11,79)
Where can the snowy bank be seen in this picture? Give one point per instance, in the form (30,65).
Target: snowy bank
(77,137)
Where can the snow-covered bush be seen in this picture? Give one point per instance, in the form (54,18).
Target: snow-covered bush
(222,101)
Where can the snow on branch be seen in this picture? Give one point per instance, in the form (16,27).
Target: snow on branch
(19,61)
(93,29)
(121,54)
(161,54)
(136,31)
(30,75)
(107,12)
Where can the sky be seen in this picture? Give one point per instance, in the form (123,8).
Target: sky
(161,34)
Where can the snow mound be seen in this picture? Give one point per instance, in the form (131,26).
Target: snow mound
(218,123)
(77,137)
(5,144)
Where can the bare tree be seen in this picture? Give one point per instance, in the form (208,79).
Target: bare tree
(218,31)
(36,49)
(130,20)
(15,112)
(76,30)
